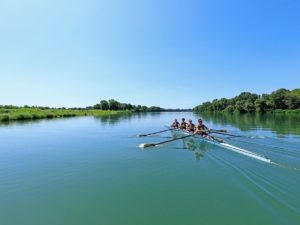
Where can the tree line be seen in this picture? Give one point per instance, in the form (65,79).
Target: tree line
(246,102)
(115,105)
(111,105)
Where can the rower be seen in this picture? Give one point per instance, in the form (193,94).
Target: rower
(190,126)
(183,124)
(201,128)
(175,124)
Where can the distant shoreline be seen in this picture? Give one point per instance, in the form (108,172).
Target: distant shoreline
(13,113)
(277,111)
(21,114)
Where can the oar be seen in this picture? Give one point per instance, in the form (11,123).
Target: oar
(146,145)
(216,139)
(158,132)
(217,132)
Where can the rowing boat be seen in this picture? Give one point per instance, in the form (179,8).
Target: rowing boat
(225,145)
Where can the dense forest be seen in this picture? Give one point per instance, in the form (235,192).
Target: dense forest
(281,100)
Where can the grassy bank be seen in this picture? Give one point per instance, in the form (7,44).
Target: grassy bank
(7,115)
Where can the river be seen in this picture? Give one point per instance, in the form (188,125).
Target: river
(89,171)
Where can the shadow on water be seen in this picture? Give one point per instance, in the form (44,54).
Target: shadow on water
(28,122)
(281,124)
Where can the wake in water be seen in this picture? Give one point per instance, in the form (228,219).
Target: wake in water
(286,166)
(287,149)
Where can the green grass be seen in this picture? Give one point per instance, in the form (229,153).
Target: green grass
(7,115)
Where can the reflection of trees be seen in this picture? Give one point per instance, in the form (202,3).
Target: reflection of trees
(117,118)
(113,119)
(31,122)
(279,123)
(19,122)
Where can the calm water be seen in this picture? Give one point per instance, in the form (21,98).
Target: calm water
(90,171)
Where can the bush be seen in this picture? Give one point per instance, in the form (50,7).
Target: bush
(4,118)
(67,114)
(49,116)
(23,116)
(36,116)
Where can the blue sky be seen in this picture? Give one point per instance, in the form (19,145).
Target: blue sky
(166,53)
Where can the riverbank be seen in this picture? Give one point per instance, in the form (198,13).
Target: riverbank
(7,115)
(277,111)
(286,111)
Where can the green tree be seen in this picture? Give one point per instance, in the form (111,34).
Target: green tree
(239,106)
(139,108)
(261,105)
(249,106)
(104,105)
(278,98)
(292,100)
(97,106)
(144,109)
(249,102)
(230,108)
(113,104)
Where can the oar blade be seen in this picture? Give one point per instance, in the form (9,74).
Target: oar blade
(146,145)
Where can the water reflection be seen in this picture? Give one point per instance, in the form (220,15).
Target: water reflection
(110,120)
(116,119)
(197,147)
(193,144)
(26,122)
(281,124)
(113,119)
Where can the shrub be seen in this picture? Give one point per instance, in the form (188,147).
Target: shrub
(49,116)
(23,116)
(36,116)
(4,118)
